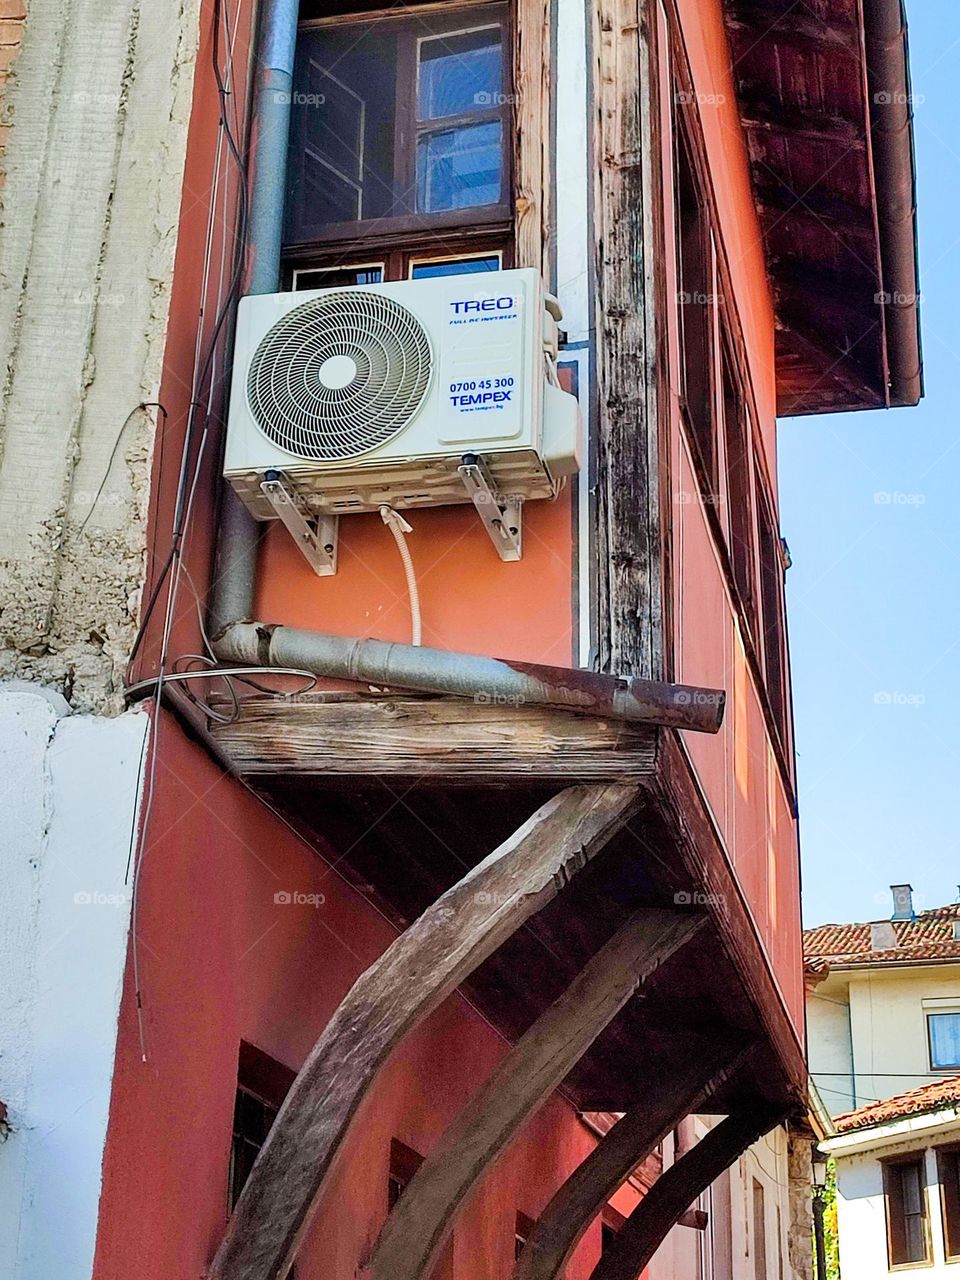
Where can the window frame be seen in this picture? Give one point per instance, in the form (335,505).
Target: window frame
(892,1171)
(929,1015)
(413,28)
(266,1080)
(948,1180)
(771,590)
(759,1228)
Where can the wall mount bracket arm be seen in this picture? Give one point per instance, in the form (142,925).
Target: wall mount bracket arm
(500,514)
(315,536)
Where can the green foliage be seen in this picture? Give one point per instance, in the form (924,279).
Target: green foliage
(830,1233)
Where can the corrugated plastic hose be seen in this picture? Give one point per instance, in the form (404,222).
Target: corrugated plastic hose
(399,528)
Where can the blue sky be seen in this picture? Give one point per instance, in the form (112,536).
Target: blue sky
(869,508)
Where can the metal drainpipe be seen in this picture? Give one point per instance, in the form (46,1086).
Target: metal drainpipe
(891,136)
(430,670)
(238,539)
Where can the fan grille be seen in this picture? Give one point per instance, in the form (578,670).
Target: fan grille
(339,375)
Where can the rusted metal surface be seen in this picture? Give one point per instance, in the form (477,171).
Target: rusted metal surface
(509,684)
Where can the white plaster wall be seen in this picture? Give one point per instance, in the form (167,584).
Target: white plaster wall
(677,1258)
(70,800)
(829,1048)
(889,1027)
(861,1217)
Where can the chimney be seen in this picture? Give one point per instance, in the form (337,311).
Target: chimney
(883,936)
(902,902)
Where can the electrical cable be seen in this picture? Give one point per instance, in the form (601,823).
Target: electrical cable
(400,528)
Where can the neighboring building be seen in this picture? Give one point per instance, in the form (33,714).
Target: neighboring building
(898,1183)
(328,976)
(883,1004)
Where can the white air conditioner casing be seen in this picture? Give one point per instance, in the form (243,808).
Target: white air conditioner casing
(373,394)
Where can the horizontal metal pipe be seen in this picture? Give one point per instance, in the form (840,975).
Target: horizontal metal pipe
(493,680)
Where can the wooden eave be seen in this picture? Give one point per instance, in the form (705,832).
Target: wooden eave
(406,793)
(832,169)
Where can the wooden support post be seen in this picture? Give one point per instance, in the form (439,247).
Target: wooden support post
(423,1218)
(681,1087)
(677,1188)
(412,977)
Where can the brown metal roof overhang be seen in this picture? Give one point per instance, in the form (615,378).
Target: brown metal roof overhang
(825,100)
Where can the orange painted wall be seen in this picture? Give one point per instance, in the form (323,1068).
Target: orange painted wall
(221,961)
(737,770)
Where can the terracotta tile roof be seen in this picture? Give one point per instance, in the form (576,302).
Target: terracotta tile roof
(928,937)
(929,1097)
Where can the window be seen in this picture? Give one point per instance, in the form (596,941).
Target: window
(948,1169)
(906,1204)
(759,1232)
(610,1224)
(694,297)
(398,123)
(521,1234)
(337,277)
(771,612)
(943,1034)
(404,1163)
(740,524)
(262,1085)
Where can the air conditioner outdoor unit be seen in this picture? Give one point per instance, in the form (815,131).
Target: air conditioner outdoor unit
(407,395)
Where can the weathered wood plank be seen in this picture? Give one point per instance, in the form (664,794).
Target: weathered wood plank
(532,159)
(452,739)
(629,576)
(684,1087)
(677,1188)
(422,1220)
(419,970)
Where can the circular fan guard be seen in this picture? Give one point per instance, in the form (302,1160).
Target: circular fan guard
(305,409)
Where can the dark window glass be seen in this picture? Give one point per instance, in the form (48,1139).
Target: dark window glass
(906,1204)
(944,1033)
(521,1234)
(337,277)
(395,119)
(404,1163)
(453,267)
(771,600)
(262,1085)
(739,499)
(948,1164)
(693,308)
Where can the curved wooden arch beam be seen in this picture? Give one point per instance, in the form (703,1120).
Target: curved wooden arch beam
(412,977)
(681,1088)
(677,1188)
(423,1218)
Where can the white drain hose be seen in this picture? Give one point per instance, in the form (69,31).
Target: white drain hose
(399,528)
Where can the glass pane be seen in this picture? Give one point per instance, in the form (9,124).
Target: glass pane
(459,72)
(459,168)
(453,267)
(337,277)
(944,1039)
(341,129)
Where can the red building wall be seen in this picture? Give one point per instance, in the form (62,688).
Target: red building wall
(221,962)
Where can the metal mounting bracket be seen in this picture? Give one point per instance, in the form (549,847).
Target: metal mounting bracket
(501,515)
(315,536)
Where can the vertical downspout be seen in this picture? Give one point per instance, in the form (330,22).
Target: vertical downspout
(238,537)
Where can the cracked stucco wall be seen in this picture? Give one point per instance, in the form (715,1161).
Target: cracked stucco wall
(70,795)
(98,103)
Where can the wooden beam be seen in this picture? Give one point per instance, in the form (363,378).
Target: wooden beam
(628,554)
(676,1190)
(683,1087)
(793,25)
(533,234)
(452,741)
(412,977)
(423,1218)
